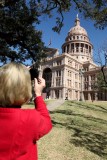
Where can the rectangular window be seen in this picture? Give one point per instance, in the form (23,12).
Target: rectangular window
(58,73)
(58,63)
(92,77)
(58,82)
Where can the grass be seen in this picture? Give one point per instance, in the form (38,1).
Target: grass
(30,105)
(79,133)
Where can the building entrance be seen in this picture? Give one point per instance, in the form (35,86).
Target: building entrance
(47,75)
(57,94)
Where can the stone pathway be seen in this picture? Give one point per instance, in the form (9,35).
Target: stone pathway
(53,105)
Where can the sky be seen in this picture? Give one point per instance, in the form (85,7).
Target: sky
(97,36)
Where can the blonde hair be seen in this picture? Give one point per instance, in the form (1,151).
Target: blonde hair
(15,85)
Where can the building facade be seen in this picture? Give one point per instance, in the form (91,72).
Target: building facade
(71,75)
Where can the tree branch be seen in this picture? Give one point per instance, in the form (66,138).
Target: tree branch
(102,70)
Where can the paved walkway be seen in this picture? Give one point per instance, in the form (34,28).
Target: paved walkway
(53,105)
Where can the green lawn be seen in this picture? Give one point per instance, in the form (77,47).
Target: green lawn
(79,133)
(31,104)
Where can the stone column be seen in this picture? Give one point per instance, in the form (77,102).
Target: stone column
(88,49)
(66,49)
(89,82)
(52,83)
(73,93)
(64,77)
(74,47)
(84,48)
(73,79)
(79,47)
(89,96)
(96,96)
(50,94)
(54,78)
(69,47)
(61,80)
(60,94)
(64,93)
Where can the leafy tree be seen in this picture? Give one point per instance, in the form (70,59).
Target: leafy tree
(101,83)
(96,10)
(19,38)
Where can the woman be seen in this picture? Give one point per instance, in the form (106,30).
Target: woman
(20,129)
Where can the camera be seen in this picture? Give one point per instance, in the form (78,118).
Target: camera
(34,73)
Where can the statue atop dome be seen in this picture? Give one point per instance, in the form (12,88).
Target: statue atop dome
(77,21)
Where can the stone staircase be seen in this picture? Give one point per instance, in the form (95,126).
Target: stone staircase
(53,105)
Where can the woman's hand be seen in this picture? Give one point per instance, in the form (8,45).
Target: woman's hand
(39,84)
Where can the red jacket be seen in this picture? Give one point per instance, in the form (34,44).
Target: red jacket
(21,128)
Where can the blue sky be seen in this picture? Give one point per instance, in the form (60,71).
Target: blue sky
(97,37)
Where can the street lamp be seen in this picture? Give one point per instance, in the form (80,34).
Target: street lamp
(81,72)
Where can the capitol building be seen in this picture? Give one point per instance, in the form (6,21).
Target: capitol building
(72,74)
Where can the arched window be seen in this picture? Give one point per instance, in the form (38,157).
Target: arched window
(77,37)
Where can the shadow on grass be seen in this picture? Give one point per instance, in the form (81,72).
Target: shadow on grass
(89,118)
(97,107)
(84,134)
(96,143)
(89,107)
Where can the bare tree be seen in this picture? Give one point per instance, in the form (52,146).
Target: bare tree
(101,59)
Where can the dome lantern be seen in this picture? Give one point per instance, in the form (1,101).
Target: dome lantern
(77,29)
(77,21)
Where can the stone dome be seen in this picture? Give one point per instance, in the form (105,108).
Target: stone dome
(77,43)
(77,29)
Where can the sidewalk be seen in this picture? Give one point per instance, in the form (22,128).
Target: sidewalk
(53,105)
